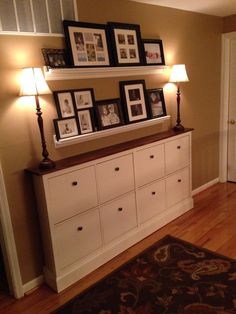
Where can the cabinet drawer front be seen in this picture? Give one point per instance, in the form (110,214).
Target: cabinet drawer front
(115,177)
(72,193)
(151,200)
(77,238)
(118,217)
(177,187)
(149,164)
(177,154)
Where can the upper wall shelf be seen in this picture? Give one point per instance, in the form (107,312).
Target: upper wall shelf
(88,73)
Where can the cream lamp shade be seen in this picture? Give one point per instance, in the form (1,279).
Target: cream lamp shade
(178,74)
(33,83)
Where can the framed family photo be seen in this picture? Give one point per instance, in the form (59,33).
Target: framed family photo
(109,113)
(126,43)
(153,52)
(87,44)
(134,99)
(64,104)
(55,58)
(86,121)
(84,98)
(156,102)
(65,128)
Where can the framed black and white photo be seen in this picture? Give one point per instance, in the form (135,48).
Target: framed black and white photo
(109,113)
(133,96)
(153,52)
(156,102)
(65,128)
(126,44)
(84,98)
(64,104)
(87,44)
(86,121)
(55,58)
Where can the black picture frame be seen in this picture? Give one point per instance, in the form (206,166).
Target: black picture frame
(66,127)
(55,58)
(153,52)
(156,102)
(86,121)
(134,100)
(87,44)
(64,104)
(126,43)
(83,98)
(109,113)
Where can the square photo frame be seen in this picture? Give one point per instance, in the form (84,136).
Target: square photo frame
(156,102)
(153,52)
(109,113)
(55,58)
(64,104)
(65,128)
(133,96)
(87,44)
(84,98)
(86,121)
(126,44)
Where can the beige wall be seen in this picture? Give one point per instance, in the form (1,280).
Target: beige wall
(189,38)
(229,24)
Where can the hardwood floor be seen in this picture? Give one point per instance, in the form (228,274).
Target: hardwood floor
(210,224)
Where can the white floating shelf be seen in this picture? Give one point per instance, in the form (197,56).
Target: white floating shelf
(99,134)
(88,73)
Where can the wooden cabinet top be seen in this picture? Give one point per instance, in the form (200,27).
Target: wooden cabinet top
(103,152)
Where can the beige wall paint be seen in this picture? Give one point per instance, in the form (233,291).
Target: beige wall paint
(229,24)
(189,38)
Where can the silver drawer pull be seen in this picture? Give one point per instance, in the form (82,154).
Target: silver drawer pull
(120,209)
(74,183)
(179,180)
(117,168)
(178,147)
(153,193)
(151,156)
(80,228)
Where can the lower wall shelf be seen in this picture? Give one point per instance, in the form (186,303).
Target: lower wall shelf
(108,132)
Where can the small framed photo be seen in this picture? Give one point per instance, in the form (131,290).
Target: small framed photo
(64,104)
(156,102)
(86,121)
(109,113)
(133,95)
(153,52)
(66,127)
(126,43)
(55,58)
(84,98)
(87,44)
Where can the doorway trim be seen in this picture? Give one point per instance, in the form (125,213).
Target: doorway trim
(8,244)
(224,103)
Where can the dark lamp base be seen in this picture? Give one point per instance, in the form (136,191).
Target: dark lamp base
(178,127)
(47,163)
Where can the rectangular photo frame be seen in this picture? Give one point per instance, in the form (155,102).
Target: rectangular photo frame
(86,121)
(55,58)
(64,103)
(109,113)
(153,52)
(84,98)
(87,44)
(156,102)
(126,44)
(66,127)
(134,99)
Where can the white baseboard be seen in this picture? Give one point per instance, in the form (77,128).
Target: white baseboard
(33,284)
(205,186)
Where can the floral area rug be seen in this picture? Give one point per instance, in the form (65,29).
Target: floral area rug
(172,276)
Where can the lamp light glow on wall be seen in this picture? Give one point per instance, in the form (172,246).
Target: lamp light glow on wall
(34,84)
(178,75)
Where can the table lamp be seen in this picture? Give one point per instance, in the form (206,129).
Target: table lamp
(178,75)
(34,84)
